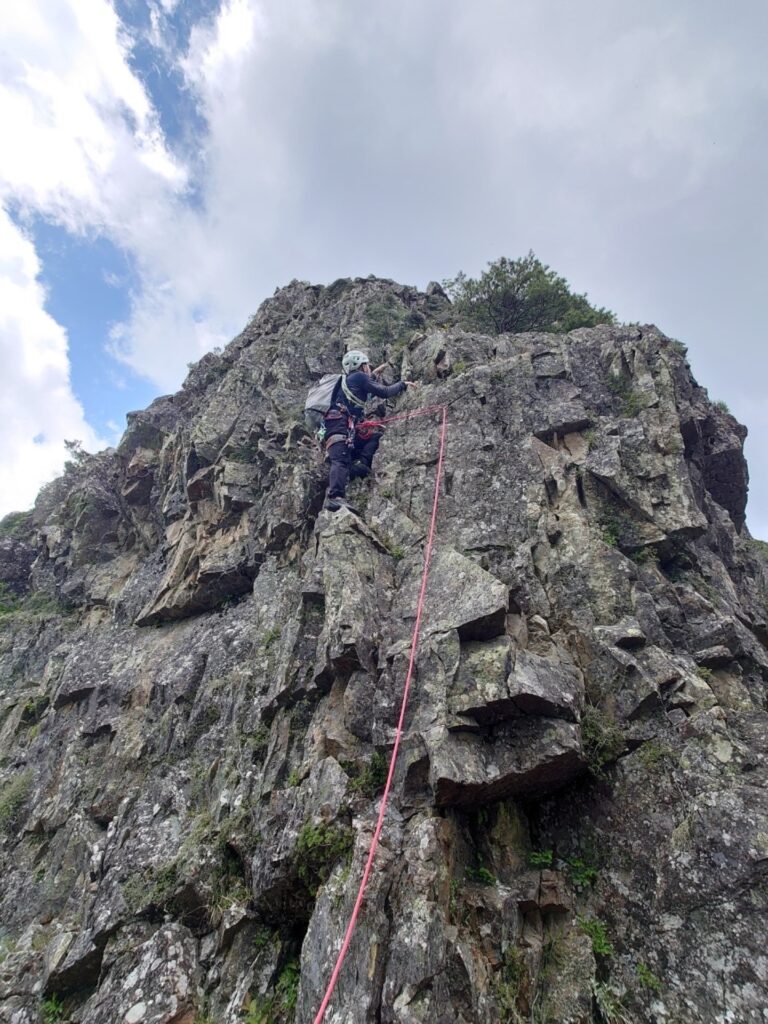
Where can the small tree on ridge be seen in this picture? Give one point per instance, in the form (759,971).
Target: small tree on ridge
(522,295)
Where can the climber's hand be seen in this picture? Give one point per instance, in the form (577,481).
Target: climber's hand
(412,383)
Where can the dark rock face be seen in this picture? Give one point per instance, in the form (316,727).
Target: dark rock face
(16,558)
(200,675)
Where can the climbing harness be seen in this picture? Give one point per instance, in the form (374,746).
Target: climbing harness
(334,439)
(427,410)
(318,407)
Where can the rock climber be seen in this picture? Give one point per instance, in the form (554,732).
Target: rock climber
(349,449)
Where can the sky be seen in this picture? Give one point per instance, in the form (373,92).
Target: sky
(166,164)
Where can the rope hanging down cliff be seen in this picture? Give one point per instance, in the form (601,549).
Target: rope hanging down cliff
(443,410)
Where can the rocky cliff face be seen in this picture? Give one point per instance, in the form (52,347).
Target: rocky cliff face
(201,670)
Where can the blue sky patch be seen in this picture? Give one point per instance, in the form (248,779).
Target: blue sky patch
(88,280)
(88,283)
(157,68)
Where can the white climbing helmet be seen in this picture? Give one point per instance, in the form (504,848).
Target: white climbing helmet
(353,360)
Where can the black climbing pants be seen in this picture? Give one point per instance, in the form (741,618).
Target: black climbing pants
(346,462)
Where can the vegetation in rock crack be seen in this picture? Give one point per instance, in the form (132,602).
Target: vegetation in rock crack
(581,873)
(631,400)
(678,346)
(259,741)
(721,406)
(8,601)
(655,756)
(270,637)
(33,604)
(12,799)
(52,1010)
(611,527)
(601,738)
(647,978)
(370,779)
(279,1007)
(590,436)
(608,1005)
(644,556)
(552,954)
(704,587)
(760,547)
(541,858)
(34,709)
(152,889)
(522,295)
(77,455)
(318,849)
(595,929)
(15,525)
(229,887)
(481,875)
(33,732)
(553,958)
(512,980)
(149,891)
(262,937)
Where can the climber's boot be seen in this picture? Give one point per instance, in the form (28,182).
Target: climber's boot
(337,504)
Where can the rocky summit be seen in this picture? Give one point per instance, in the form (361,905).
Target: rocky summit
(201,672)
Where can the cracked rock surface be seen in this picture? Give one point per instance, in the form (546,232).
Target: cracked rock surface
(200,677)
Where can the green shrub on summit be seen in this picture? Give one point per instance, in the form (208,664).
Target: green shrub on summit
(522,295)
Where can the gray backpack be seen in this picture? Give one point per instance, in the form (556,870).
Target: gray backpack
(319,400)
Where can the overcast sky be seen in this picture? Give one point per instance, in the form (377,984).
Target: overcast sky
(167,163)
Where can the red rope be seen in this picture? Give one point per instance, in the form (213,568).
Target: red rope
(443,410)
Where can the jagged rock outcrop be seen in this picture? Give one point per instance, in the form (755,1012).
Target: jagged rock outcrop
(200,676)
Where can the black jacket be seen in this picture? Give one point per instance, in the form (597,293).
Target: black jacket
(362,387)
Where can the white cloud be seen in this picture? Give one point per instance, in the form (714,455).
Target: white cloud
(39,409)
(217,49)
(166,331)
(93,158)
(87,153)
(339,136)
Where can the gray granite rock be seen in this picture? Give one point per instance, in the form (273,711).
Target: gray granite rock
(201,673)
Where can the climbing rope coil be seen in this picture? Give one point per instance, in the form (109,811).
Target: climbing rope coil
(427,410)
